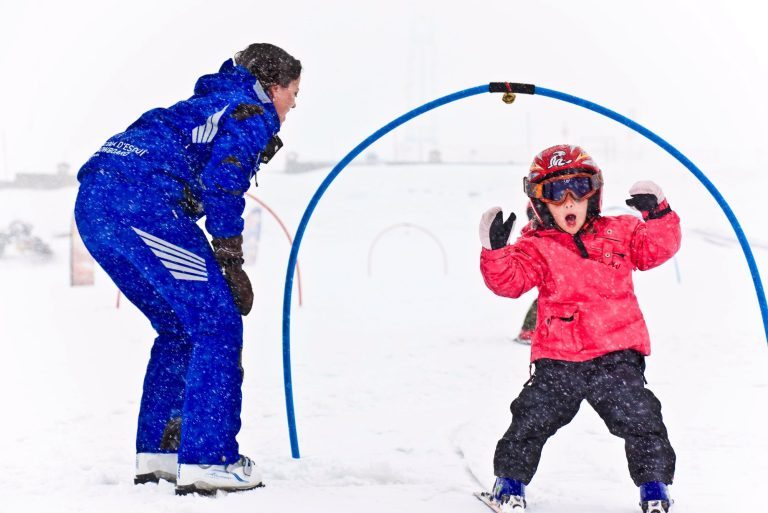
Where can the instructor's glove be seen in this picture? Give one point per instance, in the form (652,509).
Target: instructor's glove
(494,231)
(229,255)
(648,198)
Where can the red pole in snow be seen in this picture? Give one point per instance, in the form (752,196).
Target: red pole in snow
(287,234)
(285,231)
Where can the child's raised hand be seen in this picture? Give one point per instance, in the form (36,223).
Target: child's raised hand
(494,231)
(646,196)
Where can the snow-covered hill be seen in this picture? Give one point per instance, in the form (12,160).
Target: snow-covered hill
(402,378)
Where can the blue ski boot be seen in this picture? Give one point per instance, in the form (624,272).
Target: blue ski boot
(509,495)
(654,497)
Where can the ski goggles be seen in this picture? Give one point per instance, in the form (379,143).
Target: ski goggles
(580,185)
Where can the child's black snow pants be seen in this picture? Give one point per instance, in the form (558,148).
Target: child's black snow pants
(615,387)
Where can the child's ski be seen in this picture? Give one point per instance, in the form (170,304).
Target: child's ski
(485,498)
(514,506)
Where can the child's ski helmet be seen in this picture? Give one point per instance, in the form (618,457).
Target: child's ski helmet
(559,164)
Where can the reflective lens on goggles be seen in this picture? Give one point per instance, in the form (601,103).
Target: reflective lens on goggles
(580,186)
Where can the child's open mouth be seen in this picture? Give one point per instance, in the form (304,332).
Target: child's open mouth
(571,219)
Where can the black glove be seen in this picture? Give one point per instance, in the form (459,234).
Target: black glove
(501,230)
(494,231)
(229,255)
(643,202)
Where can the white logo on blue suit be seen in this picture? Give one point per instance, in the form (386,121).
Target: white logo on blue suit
(207,131)
(182,264)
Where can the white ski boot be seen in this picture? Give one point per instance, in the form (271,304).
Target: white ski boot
(515,504)
(655,506)
(208,479)
(151,467)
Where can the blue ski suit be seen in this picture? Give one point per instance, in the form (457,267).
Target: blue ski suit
(141,195)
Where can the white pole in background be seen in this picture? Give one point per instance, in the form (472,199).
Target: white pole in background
(6,174)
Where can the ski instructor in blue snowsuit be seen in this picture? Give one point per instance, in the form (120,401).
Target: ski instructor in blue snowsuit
(141,195)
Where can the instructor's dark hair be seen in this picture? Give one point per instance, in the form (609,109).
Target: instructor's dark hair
(270,64)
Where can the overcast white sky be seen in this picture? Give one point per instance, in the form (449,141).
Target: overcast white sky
(75,72)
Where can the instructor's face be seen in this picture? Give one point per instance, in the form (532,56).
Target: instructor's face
(284,98)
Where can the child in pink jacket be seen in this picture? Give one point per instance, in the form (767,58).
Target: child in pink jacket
(590,339)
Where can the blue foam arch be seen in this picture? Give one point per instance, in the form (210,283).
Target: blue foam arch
(522,88)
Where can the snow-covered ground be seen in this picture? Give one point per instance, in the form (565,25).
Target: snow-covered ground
(403,378)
